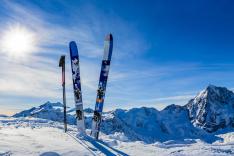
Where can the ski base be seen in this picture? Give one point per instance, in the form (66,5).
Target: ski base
(77,86)
(97,118)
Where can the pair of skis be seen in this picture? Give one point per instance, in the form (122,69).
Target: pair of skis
(108,46)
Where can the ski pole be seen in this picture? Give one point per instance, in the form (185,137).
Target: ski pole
(62,64)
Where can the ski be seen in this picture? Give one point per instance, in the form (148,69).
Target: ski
(77,86)
(97,117)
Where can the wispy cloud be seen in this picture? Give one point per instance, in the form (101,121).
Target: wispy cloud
(39,76)
(88,25)
(34,79)
(132,81)
(172,98)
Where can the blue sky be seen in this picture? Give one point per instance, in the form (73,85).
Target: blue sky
(164,51)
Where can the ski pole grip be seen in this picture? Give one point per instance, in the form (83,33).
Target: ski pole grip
(62,61)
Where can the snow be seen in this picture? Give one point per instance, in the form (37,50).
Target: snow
(20,137)
(212,109)
(142,124)
(31,136)
(119,136)
(205,126)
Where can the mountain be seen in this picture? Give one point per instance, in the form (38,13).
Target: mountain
(212,109)
(50,111)
(150,125)
(144,124)
(2,115)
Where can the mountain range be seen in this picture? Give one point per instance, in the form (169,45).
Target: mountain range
(207,113)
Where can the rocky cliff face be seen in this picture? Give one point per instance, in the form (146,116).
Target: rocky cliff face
(212,109)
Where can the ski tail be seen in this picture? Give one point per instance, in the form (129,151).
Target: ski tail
(97,117)
(75,67)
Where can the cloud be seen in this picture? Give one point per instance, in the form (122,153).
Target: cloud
(87,25)
(38,76)
(133,81)
(172,98)
(29,80)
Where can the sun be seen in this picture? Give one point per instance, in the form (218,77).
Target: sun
(18,42)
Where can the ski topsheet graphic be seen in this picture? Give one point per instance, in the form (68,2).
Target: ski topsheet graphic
(77,86)
(108,46)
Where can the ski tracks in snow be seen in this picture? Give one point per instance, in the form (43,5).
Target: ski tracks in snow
(5,153)
(96,147)
(90,149)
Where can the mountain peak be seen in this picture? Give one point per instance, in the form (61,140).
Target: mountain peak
(215,95)
(35,111)
(52,103)
(212,109)
(217,90)
(212,86)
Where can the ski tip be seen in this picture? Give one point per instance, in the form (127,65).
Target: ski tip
(109,37)
(73,48)
(72,43)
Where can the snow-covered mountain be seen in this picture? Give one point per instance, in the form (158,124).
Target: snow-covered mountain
(212,109)
(2,115)
(50,111)
(150,125)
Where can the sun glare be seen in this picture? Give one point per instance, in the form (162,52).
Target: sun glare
(18,42)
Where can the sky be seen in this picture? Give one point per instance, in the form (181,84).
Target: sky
(164,52)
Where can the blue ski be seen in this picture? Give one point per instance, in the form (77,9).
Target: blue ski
(77,86)
(108,46)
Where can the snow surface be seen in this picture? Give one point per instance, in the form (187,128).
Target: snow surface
(18,137)
(31,136)
(205,126)
(138,124)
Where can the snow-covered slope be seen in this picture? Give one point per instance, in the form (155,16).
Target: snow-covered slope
(36,137)
(212,109)
(32,136)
